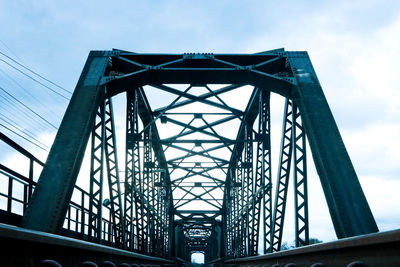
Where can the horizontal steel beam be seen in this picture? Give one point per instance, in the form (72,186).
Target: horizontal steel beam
(19,148)
(195,76)
(28,247)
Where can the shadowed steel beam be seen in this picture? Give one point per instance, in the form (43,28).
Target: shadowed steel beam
(97,177)
(133,202)
(285,159)
(114,187)
(200,76)
(195,98)
(301,225)
(202,97)
(49,203)
(347,204)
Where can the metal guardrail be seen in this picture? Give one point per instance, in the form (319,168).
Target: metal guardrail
(23,247)
(378,249)
(20,188)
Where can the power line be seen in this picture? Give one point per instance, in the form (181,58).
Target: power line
(23,137)
(37,74)
(1,88)
(51,112)
(31,118)
(42,84)
(9,49)
(17,127)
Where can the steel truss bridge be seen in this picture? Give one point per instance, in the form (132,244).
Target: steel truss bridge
(195,173)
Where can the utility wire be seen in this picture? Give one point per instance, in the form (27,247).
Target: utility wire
(1,88)
(37,74)
(51,112)
(23,137)
(9,49)
(17,127)
(34,79)
(27,117)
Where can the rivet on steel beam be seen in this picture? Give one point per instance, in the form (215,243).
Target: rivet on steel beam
(107,264)
(357,264)
(88,264)
(48,263)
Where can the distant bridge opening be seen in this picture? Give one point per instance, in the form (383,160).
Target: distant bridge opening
(197,257)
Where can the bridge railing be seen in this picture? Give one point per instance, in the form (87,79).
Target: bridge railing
(12,202)
(16,189)
(77,217)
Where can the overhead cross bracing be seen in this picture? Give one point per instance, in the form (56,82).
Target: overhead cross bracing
(197,171)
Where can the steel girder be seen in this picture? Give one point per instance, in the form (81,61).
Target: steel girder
(264,171)
(247,196)
(293,144)
(282,183)
(115,192)
(343,192)
(104,152)
(148,204)
(134,209)
(300,180)
(50,200)
(95,230)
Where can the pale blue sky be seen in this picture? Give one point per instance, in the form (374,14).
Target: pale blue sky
(354,46)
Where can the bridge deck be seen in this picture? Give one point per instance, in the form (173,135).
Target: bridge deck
(30,247)
(378,249)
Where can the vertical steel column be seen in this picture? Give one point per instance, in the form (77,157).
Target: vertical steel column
(262,186)
(258,190)
(248,188)
(96,177)
(170,212)
(148,166)
(228,215)
(285,158)
(113,175)
(347,204)
(162,218)
(238,208)
(129,167)
(241,196)
(154,222)
(133,202)
(158,213)
(300,180)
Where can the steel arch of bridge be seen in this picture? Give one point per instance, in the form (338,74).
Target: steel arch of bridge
(149,221)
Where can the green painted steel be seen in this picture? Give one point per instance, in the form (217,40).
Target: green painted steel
(347,204)
(154,222)
(50,200)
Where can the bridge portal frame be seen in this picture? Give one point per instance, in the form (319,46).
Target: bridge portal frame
(290,74)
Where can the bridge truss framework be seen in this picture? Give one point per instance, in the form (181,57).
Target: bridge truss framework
(146,213)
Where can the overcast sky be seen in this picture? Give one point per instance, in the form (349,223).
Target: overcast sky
(354,46)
